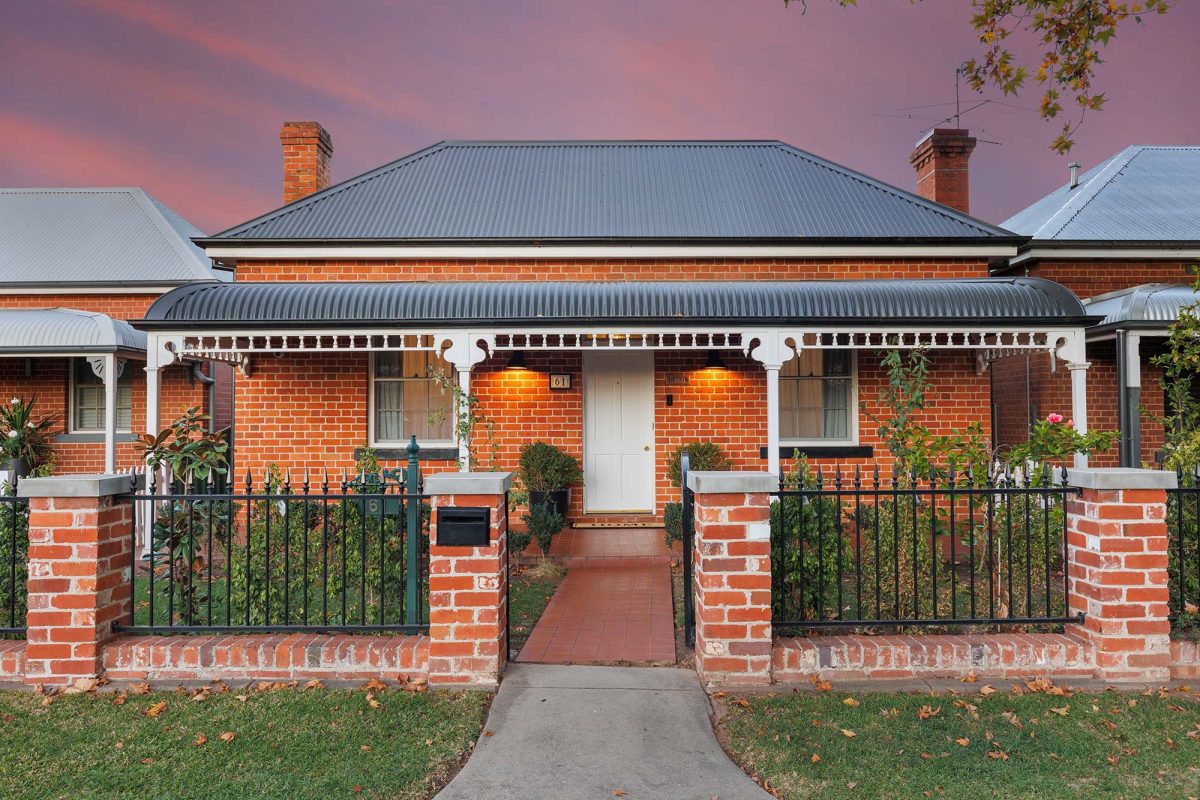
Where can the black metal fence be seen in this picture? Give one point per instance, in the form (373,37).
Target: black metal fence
(1183,550)
(968,548)
(14,562)
(285,556)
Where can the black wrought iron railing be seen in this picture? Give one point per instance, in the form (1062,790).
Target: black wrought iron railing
(968,548)
(14,562)
(1183,550)
(283,556)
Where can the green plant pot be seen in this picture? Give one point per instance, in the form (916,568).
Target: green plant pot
(559,500)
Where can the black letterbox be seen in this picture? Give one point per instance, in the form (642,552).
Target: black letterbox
(463,527)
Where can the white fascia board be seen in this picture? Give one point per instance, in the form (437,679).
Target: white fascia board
(245,253)
(1105,254)
(69,289)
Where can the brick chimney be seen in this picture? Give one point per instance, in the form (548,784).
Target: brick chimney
(940,160)
(307,151)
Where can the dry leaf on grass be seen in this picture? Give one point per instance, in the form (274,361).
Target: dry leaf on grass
(814,758)
(962,741)
(1013,719)
(926,712)
(314,684)
(140,688)
(987,691)
(227,736)
(822,685)
(200,739)
(1061,711)
(850,701)
(156,709)
(849,734)
(375,685)
(119,700)
(372,702)
(997,754)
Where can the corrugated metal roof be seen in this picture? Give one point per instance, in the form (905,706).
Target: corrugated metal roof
(567,190)
(1154,305)
(65,330)
(1141,194)
(251,305)
(95,236)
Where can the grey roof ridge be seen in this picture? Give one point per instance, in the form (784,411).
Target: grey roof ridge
(304,202)
(337,188)
(1077,202)
(164,227)
(902,194)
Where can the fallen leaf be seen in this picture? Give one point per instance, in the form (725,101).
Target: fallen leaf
(1039,685)
(156,709)
(926,712)
(619,793)
(741,702)
(822,685)
(140,688)
(851,784)
(850,701)
(927,756)
(970,678)
(719,695)
(371,701)
(200,739)
(962,741)
(488,733)
(848,733)
(119,700)
(1013,719)
(997,754)
(1061,711)
(227,736)
(1113,758)
(987,691)
(314,684)
(375,685)
(147,760)
(814,758)
(241,698)
(119,746)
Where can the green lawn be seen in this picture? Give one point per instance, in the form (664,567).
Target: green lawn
(292,743)
(529,592)
(1094,746)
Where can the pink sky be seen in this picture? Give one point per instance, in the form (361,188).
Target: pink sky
(185,99)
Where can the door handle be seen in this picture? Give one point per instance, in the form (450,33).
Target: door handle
(646,448)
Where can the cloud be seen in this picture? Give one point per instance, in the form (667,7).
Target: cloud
(71,156)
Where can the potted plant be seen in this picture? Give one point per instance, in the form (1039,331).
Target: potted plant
(542,522)
(547,474)
(702,457)
(24,442)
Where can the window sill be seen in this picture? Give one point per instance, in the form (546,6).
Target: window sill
(90,438)
(431,453)
(823,451)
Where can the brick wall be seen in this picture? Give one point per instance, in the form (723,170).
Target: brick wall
(311,410)
(49,381)
(616,269)
(1091,278)
(1051,392)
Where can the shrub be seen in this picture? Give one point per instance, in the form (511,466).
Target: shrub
(673,522)
(543,522)
(546,468)
(14,550)
(702,457)
(808,549)
(21,437)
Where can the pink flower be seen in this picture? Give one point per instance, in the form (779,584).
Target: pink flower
(1054,418)
(1070,423)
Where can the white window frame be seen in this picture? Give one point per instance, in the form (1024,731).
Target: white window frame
(376,443)
(853,412)
(72,413)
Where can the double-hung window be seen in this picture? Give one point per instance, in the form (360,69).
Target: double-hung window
(817,399)
(406,399)
(87,398)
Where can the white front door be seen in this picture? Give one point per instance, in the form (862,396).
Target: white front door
(618,431)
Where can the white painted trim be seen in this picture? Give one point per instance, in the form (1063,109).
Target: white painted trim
(371,441)
(1105,254)
(71,411)
(321,252)
(51,288)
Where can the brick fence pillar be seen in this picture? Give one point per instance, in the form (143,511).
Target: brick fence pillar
(79,546)
(468,586)
(1117,565)
(731,569)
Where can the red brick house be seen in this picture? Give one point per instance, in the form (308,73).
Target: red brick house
(75,265)
(1122,236)
(614,298)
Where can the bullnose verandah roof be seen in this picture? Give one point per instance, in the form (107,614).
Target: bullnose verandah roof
(461,304)
(66,331)
(1151,307)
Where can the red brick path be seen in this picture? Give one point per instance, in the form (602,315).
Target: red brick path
(606,615)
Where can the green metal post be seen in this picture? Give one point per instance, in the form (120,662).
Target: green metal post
(412,531)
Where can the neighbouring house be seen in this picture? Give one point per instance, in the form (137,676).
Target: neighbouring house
(614,298)
(75,265)
(1123,236)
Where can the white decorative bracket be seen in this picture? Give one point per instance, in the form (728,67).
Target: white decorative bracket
(97,365)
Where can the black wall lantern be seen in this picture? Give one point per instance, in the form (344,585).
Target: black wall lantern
(714,360)
(517,360)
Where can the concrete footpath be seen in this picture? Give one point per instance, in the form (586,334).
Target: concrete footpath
(587,733)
